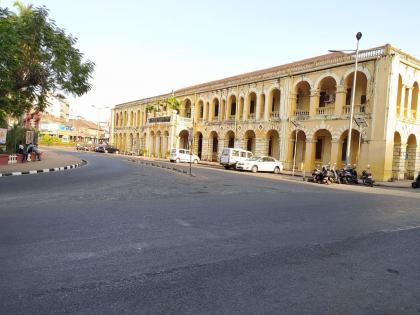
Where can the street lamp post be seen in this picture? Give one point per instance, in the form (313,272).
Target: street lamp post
(353,94)
(296,124)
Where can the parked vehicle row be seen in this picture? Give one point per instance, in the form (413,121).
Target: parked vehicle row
(103,148)
(346,175)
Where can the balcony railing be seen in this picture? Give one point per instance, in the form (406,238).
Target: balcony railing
(327,110)
(275,116)
(358,109)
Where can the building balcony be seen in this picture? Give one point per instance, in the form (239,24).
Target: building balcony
(275,116)
(325,111)
(301,114)
(358,109)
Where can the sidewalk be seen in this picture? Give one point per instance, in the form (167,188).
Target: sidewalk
(50,160)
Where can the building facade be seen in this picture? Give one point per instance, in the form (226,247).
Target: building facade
(266,111)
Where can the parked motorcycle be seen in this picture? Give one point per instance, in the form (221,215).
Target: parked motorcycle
(348,175)
(416,183)
(367,178)
(317,176)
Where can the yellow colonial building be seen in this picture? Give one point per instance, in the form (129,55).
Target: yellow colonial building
(261,111)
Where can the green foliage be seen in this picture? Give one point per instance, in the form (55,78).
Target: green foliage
(150,108)
(173,103)
(15,136)
(49,140)
(54,141)
(37,60)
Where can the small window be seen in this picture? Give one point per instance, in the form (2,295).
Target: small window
(201,111)
(363,99)
(216,111)
(181,151)
(187,152)
(235,153)
(248,154)
(243,154)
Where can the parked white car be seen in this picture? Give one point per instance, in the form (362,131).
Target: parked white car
(183,155)
(230,157)
(260,164)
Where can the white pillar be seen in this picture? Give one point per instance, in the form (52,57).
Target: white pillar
(409,98)
(402,104)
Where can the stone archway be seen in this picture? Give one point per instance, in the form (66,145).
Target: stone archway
(230,139)
(300,149)
(360,95)
(183,139)
(342,149)
(198,147)
(273,141)
(158,149)
(249,141)
(152,145)
(322,147)
(213,146)
(398,160)
(410,162)
(165,144)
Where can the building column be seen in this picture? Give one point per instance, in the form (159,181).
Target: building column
(417,161)
(334,152)
(340,100)
(267,108)
(261,146)
(402,104)
(205,111)
(245,110)
(314,102)
(398,167)
(418,107)
(258,108)
(409,98)
(205,149)
(309,155)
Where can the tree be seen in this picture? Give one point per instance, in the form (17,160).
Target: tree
(173,103)
(37,60)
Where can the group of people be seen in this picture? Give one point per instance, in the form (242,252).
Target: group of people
(29,149)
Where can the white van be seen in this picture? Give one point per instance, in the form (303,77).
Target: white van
(183,155)
(231,156)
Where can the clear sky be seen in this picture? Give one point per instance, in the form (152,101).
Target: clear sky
(143,47)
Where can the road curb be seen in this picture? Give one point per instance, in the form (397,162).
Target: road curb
(46,170)
(160,164)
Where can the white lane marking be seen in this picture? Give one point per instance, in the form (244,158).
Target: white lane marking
(46,170)
(16,173)
(32,172)
(182,222)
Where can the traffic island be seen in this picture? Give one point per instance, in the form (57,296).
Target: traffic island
(50,162)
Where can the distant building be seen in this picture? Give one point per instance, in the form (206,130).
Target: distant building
(59,108)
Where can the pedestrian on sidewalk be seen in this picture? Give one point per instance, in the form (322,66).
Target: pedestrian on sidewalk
(21,150)
(37,153)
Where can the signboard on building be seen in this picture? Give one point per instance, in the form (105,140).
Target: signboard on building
(3,134)
(29,136)
(160,119)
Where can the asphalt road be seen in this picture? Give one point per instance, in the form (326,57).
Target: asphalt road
(120,237)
